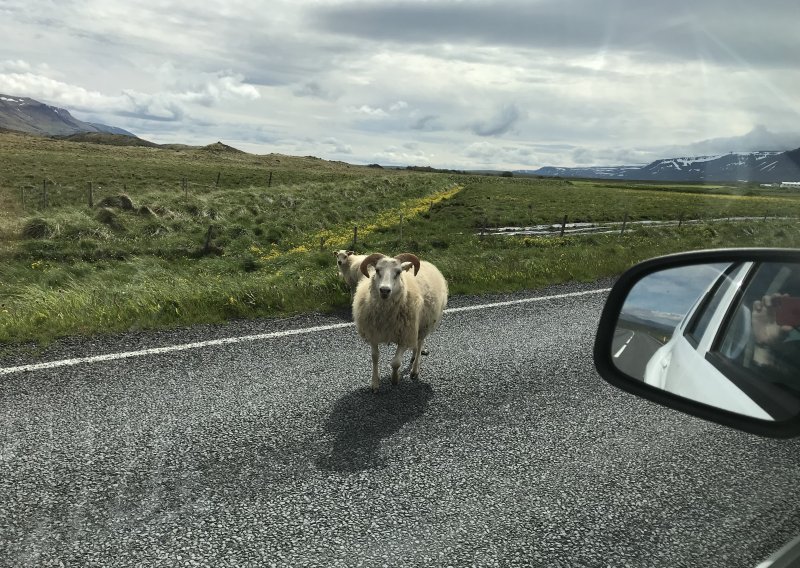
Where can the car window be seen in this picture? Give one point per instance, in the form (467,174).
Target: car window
(709,305)
(767,371)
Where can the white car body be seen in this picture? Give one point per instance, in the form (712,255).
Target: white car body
(681,368)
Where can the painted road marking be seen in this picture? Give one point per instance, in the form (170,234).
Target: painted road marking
(256,337)
(618,353)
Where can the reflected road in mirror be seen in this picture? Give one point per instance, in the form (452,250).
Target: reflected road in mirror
(652,311)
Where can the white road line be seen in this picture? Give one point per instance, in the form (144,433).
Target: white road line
(618,353)
(525,301)
(257,337)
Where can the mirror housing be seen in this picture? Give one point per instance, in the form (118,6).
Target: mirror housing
(604,347)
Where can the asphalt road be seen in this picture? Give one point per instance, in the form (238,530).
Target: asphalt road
(632,349)
(510,451)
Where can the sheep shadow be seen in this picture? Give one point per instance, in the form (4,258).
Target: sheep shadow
(360,420)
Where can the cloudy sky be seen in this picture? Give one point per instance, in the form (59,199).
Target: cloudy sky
(507,84)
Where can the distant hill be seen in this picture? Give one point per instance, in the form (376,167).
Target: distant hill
(108,139)
(220,148)
(27,115)
(760,167)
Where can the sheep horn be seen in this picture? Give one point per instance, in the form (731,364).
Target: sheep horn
(408,257)
(370,261)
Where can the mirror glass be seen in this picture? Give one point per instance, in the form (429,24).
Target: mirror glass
(725,334)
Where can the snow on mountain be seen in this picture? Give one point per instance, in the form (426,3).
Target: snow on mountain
(615,172)
(762,167)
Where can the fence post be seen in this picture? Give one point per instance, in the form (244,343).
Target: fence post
(44,194)
(321,244)
(624,222)
(400,244)
(217,183)
(207,246)
(22,193)
(269,181)
(91,195)
(563,226)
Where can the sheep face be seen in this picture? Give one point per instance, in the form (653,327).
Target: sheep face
(341,257)
(387,279)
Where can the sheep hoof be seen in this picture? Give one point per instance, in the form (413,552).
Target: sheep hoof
(395,380)
(425,352)
(414,376)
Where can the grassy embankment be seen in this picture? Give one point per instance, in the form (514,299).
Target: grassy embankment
(144,260)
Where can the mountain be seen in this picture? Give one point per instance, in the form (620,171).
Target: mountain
(760,167)
(27,115)
(615,172)
(764,167)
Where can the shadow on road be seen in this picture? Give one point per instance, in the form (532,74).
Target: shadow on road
(361,419)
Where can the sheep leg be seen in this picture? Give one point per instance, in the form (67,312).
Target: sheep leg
(395,363)
(376,381)
(414,354)
(415,361)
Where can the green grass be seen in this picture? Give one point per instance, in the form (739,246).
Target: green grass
(520,201)
(142,258)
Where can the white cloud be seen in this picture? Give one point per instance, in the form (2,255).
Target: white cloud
(50,90)
(209,90)
(487,153)
(15,66)
(404,155)
(370,111)
(337,146)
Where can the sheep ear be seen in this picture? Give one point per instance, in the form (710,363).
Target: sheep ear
(369,261)
(407,266)
(350,252)
(408,257)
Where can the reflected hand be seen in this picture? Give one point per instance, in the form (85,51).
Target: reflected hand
(765,328)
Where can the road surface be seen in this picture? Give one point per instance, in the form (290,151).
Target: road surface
(270,450)
(632,349)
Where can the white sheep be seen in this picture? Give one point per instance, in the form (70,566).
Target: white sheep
(349,264)
(393,305)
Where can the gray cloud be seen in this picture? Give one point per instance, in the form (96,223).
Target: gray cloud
(684,29)
(502,122)
(313,89)
(760,138)
(429,123)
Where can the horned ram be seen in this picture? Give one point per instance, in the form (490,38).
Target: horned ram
(395,304)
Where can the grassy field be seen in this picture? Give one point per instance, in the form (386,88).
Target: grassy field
(156,251)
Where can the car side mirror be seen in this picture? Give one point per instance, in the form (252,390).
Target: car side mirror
(715,334)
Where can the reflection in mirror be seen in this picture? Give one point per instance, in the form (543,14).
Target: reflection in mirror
(727,335)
